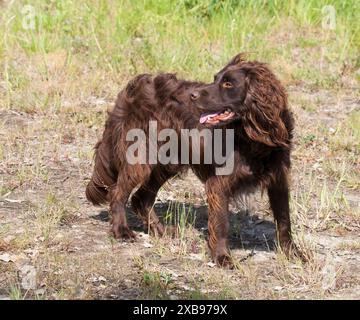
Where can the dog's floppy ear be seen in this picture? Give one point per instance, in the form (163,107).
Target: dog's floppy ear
(253,122)
(264,103)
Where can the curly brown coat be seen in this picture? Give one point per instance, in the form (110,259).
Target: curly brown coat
(263,127)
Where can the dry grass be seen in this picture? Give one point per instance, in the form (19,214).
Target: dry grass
(56,83)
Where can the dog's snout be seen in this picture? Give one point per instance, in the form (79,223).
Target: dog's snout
(195,95)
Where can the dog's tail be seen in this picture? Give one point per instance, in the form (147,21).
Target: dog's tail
(103,177)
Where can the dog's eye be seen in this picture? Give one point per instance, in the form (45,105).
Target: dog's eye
(227,85)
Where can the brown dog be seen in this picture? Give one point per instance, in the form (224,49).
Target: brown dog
(246,97)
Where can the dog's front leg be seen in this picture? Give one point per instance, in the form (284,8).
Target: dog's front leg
(278,192)
(218,222)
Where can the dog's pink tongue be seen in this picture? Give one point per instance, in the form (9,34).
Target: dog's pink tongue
(206,116)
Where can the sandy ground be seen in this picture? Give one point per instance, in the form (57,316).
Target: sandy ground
(55,245)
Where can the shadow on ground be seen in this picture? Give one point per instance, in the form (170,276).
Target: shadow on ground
(247,231)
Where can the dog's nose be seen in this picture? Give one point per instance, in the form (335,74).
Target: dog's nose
(195,95)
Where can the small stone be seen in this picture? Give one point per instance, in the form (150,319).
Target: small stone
(28,275)
(187,288)
(147,245)
(40,292)
(195,256)
(8,239)
(5,257)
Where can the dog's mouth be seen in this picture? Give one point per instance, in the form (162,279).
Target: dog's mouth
(216,117)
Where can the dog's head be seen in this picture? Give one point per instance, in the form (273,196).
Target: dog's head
(248,92)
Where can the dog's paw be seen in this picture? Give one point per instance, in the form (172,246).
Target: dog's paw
(155,229)
(123,233)
(224,261)
(291,251)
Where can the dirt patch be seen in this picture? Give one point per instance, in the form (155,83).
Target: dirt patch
(54,244)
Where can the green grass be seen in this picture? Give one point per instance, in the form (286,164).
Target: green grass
(69,69)
(180,216)
(15,293)
(92,41)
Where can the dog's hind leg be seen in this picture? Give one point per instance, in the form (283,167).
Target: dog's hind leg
(143,200)
(119,226)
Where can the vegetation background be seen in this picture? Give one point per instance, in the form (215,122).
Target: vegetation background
(62,64)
